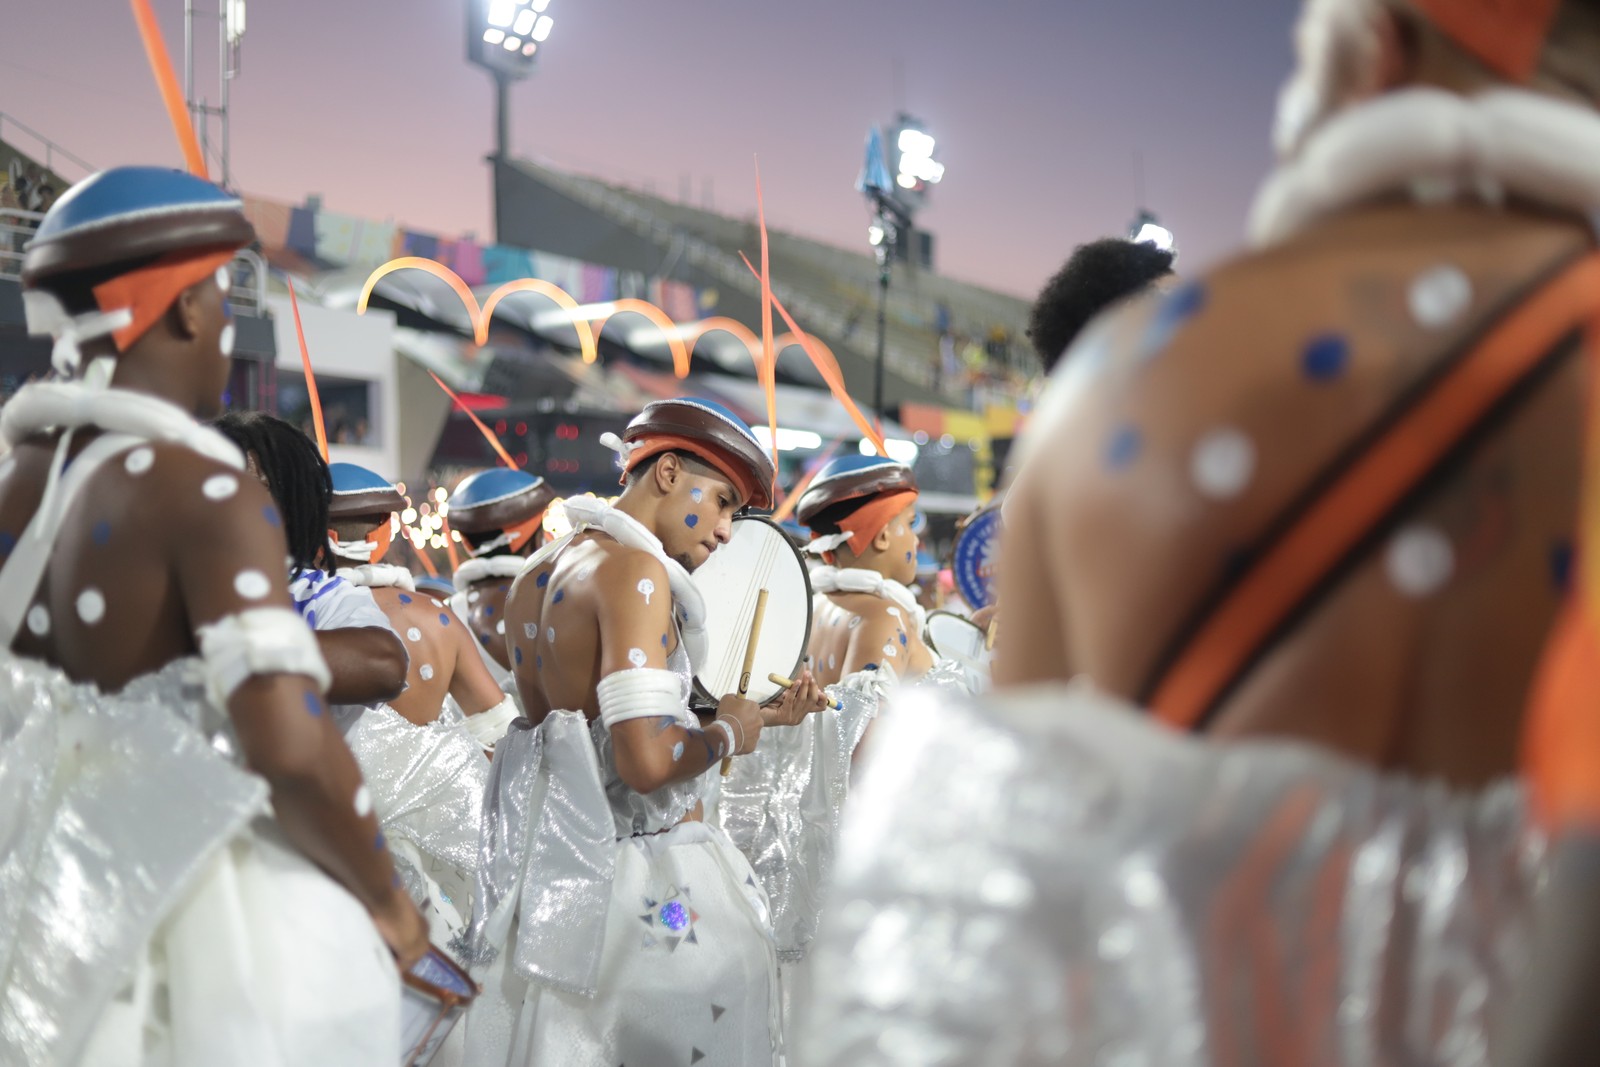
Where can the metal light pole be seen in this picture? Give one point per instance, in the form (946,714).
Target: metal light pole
(504,37)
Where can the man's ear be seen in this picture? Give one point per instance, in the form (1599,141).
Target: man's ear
(184,315)
(880,543)
(667,471)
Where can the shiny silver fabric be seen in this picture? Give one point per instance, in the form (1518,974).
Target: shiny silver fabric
(1049,878)
(109,805)
(426,784)
(781,806)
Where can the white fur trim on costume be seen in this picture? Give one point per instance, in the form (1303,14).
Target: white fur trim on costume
(1435,146)
(828,542)
(379,576)
(488,727)
(485,567)
(641,693)
(689,605)
(859,580)
(72,405)
(46,316)
(259,641)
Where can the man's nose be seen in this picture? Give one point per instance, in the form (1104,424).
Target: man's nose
(724,531)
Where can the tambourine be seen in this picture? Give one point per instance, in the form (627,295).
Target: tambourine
(953,637)
(435,993)
(973,566)
(758,614)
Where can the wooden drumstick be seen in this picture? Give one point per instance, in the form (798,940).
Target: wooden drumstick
(789,683)
(749,661)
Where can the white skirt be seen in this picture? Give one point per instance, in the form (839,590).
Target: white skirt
(265,962)
(688,973)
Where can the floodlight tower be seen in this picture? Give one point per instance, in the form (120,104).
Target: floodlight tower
(908,155)
(230,36)
(503,37)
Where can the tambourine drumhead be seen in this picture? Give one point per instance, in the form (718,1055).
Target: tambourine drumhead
(434,994)
(973,565)
(757,556)
(954,637)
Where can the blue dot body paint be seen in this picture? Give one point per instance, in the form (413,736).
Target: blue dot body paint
(7,542)
(870,667)
(314,705)
(1179,307)
(663,640)
(561,594)
(270,513)
(902,640)
(505,588)
(488,610)
(908,557)
(444,620)
(1325,357)
(697,495)
(538,663)
(1561,558)
(1123,448)
(691,521)
(379,843)
(102,533)
(483,639)
(543,580)
(404,599)
(516,655)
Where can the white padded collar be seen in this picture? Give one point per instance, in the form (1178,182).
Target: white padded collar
(379,576)
(476,570)
(858,580)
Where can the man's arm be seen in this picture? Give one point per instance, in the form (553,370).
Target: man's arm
(368,664)
(227,551)
(655,750)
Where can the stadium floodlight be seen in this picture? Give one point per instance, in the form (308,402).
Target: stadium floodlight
(917,168)
(503,36)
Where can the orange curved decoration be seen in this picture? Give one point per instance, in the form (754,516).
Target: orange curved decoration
(586,335)
(680,352)
(722,323)
(480,316)
(155,50)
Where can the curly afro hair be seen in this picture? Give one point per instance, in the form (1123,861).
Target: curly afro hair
(1098,275)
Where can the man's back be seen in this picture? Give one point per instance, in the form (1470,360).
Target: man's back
(1193,429)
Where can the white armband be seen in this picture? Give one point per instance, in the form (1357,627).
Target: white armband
(642,693)
(259,641)
(489,726)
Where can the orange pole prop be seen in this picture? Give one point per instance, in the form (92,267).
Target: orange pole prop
(422,554)
(449,544)
(312,395)
(488,434)
(155,49)
(767,369)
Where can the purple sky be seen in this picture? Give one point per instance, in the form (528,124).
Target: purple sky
(1039,106)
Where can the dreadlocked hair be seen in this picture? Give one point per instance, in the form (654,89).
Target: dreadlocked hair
(296,476)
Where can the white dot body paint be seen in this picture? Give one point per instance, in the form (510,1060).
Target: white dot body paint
(474,596)
(530,630)
(139,461)
(219,486)
(697,495)
(855,620)
(363,802)
(890,651)
(252,585)
(413,634)
(91,606)
(550,634)
(1440,296)
(585,573)
(1420,560)
(636,657)
(647,588)
(1223,463)
(225,341)
(224,280)
(677,752)
(833,663)
(426,671)
(500,627)
(894,612)
(38,620)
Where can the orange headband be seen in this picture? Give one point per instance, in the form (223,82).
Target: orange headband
(149,291)
(659,443)
(867,521)
(1506,35)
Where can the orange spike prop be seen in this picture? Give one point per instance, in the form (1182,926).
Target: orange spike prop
(767,368)
(312,396)
(422,553)
(828,367)
(155,50)
(488,434)
(449,544)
